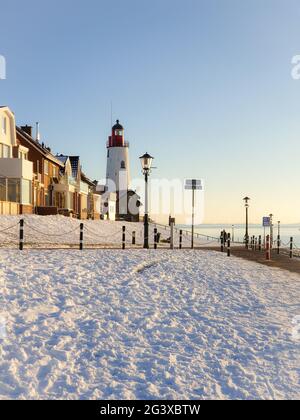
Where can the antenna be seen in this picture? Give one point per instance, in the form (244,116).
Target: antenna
(38,137)
(111,114)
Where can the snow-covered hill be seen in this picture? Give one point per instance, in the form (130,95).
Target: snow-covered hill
(143,324)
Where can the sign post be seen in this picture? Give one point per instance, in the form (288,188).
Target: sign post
(193,185)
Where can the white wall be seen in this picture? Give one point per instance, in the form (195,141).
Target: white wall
(16,168)
(113,170)
(8,138)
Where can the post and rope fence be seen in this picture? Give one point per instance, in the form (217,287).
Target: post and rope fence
(53,237)
(222,241)
(278,244)
(21,236)
(268,248)
(229,245)
(259,243)
(123,237)
(180,239)
(155,238)
(81,237)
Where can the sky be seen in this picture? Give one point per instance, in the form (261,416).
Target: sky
(205,86)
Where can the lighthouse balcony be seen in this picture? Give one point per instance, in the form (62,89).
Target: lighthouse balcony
(114,143)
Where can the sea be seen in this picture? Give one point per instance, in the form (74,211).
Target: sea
(238,231)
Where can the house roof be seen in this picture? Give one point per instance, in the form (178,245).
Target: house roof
(40,147)
(62,158)
(74,160)
(85,179)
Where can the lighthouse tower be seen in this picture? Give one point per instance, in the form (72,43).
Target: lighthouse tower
(117,171)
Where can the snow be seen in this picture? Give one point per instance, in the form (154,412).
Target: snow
(137,324)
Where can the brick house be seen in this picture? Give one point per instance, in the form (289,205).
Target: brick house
(46,171)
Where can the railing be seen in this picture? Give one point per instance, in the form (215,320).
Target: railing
(124,144)
(186,232)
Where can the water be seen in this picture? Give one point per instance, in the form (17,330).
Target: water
(286,231)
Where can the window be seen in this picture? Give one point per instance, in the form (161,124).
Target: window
(123,166)
(46,167)
(13,190)
(23,155)
(2,189)
(47,200)
(26,191)
(4,125)
(119,132)
(5,151)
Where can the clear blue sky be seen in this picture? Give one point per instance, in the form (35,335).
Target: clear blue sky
(203,85)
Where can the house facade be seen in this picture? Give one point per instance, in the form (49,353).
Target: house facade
(46,171)
(77,191)
(16,170)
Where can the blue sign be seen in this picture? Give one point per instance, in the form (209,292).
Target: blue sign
(266,221)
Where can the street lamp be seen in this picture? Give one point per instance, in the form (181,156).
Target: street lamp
(146,162)
(247,199)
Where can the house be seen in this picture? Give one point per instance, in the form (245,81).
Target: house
(93,199)
(46,171)
(16,169)
(76,190)
(68,187)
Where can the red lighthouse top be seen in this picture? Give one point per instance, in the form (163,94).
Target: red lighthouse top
(117,136)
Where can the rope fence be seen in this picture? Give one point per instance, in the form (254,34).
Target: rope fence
(26,236)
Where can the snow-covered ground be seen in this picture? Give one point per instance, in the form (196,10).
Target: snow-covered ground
(141,324)
(60,231)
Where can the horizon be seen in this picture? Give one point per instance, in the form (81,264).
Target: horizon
(210,89)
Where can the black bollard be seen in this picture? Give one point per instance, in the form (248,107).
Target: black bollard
(180,239)
(21,241)
(228,246)
(291,247)
(155,238)
(123,237)
(81,237)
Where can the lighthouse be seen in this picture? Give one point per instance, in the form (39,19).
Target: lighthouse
(118,176)
(117,170)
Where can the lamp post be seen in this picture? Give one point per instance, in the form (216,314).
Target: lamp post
(146,162)
(232,236)
(247,199)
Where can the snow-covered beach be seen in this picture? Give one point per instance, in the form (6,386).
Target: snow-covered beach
(135,324)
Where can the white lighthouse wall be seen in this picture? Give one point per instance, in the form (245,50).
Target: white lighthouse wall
(115,172)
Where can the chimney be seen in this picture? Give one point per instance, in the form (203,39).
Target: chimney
(38,136)
(27,129)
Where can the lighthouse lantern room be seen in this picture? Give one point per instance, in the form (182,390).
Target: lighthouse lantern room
(118,170)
